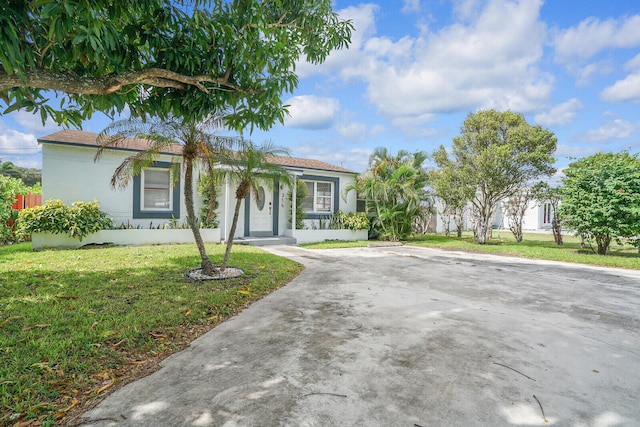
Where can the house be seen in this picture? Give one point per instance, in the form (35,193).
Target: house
(154,200)
(538,218)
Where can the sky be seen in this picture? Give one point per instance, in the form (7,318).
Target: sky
(416,68)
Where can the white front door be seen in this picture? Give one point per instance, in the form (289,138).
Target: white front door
(261,212)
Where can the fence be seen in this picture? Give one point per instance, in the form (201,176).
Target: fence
(24,201)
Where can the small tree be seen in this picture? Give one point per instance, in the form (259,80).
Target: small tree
(250,166)
(551,197)
(515,207)
(601,198)
(452,194)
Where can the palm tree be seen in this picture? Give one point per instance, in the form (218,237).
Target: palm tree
(394,187)
(249,166)
(195,145)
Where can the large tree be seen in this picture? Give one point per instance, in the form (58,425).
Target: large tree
(394,188)
(601,198)
(495,154)
(185,58)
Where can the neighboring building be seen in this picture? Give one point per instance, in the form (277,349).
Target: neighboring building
(537,218)
(70,174)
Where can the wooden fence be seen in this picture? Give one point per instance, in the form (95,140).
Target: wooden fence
(24,201)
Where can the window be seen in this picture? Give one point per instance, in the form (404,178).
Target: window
(319,197)
(547,213)
(155,193)
(156,190)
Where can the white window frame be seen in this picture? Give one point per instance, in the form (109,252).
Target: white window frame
(547,214)
(314,196)
(143,208)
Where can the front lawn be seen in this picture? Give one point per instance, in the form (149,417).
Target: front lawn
(534,245)
(75,324)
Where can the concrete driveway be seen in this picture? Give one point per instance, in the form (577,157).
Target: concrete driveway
(404,336)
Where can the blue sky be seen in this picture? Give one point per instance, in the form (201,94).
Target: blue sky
(416,68)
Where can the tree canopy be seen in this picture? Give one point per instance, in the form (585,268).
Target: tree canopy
(161,57)
(495,155)
(601,197)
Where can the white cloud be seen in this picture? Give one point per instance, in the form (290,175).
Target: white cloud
(625,90)
(33,123)
(591,36)
(413,127)
(460,67)
(363,18)
(22,149)
(614,129)
(311,112)
(633,63)
(410,6)
(561,114)
(377,130)
(466,9)
(353,131)
(356,159)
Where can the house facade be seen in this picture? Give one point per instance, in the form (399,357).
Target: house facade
(538,218)
(155,197)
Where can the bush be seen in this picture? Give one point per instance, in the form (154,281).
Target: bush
(79,220)
(350,221)
(9,189)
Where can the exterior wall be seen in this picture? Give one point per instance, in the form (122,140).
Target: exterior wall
(70,174)
(314,236)
(123,237)
(346,202)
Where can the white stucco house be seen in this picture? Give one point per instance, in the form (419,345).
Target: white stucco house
(70,174)
(537,218)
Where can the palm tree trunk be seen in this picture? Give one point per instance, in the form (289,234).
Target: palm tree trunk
(232,232)
(206,264)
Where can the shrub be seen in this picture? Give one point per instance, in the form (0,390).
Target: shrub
(208,217)
(350,221)
(301,194)
(79,220)
(9,189)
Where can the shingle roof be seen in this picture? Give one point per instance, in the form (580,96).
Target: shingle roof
(89,139)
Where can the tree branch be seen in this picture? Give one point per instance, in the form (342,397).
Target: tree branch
(69,83)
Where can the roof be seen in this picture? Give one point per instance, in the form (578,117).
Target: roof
(89,139)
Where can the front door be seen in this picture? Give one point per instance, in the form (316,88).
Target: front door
(261,213)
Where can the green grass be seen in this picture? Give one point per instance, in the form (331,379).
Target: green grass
(75,322)
(536,246)
(330,244)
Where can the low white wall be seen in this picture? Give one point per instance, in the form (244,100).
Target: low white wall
(132,237)
(313,236)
